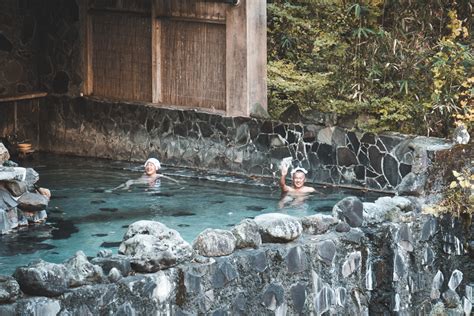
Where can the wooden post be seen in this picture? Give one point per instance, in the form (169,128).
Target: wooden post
(246,51)
(155,55)
(86,38)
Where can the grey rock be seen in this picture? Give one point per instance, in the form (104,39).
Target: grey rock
(81,271)
(296,260)
(460,135)
(225,273)
(399,267)
(119,262)
(386,209)
(451,299)
(12,173)
(412,184)
(323,300)
(38,306)
(455,279)
(430,227)
(104,253)
(15,187)
(428,256)
(343,227)
(32,202)
(318,224)
(6,200)
(326,251)
(239,304)
(438,280)
(9,289)
(298,296)
(354,236)
(341,294)
(258,261)
(247,234)
(350,210)
(351,264)
(276,227)
(43,278)
(31,177)
(153,246)
(205,301)
(192,282)
(4,154)
(8,220)
(215,243)
(114,275)
(273,297)
(405,239)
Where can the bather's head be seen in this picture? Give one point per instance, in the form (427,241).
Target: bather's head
(152,165)
(298,176)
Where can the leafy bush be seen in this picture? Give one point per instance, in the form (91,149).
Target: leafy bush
(401,65)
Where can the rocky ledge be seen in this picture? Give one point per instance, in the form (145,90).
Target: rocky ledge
(366,258)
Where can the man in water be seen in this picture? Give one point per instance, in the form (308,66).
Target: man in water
(298,178)
(150,177)
(296,194)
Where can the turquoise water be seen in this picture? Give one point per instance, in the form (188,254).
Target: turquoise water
(84,215)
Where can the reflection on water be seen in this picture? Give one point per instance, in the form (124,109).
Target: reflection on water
(85,215)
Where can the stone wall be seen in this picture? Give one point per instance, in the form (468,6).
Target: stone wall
(40,47)
(18,46)
(354,262)
(126,131)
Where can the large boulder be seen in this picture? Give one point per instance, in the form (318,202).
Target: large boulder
(412,184)
(12,173)
(350,210)
(386,209)
(277,227)
(247,234)
(31,177)
(9,289)
(32,202)
(43,278)
(215,243)
(82,272)
(153,246)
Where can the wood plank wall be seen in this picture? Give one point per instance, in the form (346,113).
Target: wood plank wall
(193,64)
(121,56)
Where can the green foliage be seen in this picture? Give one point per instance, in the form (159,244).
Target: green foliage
(400,65)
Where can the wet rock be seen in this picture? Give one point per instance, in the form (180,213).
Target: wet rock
(351,264)
(326,251)
(153,246)
(215,243)
(296,260)
(318,224)
(343,227)
(32,202)
(247,235)
(273,297)
(43,278)
(455,280)
(9,289)
(15,187)
(81,271)
(412,184)
(349,210)
(276,227)
(4,154)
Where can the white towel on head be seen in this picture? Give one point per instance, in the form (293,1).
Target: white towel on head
(299,169)
(154,161)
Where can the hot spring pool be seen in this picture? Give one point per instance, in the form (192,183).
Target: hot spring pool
(84,215)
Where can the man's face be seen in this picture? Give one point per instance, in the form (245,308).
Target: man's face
(298,179)
(150,169)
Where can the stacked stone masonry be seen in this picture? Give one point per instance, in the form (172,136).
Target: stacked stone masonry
(412,265)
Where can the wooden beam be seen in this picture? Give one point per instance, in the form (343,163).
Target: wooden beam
(156,79)
(23,96)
